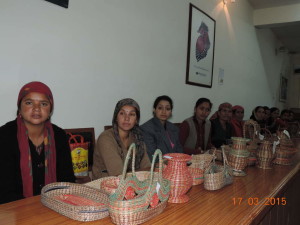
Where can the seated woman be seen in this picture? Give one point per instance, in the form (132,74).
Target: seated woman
(267,114)
(282,121)
(237,122)
(158,132)
(35,151)
(220,124)
(258,115)
(195,131)
(271,124)
(112,144)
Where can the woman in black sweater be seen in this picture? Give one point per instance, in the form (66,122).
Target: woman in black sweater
(34,152)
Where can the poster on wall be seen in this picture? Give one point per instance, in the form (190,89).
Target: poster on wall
(283,89)
(201,45)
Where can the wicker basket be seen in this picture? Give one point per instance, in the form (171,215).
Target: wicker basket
(199,163)
(250,130)
(150,198)
(217,176)
(285,150)
(265,155)
(75,201)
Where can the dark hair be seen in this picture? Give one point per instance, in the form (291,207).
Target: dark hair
(258,107)
(266,108)
(202,100)
(273,109)
(164,98)
(285,111)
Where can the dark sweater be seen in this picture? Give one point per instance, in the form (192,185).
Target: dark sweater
(11,187)
(219,135)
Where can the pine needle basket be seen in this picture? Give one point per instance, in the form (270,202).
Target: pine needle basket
(151,195)
(199,163)
(285,150)
(75,201)
(250,130)
(217,176)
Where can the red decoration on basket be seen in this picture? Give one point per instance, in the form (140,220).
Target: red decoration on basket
(144,205)
(154,201)
(77,200)
(109,184)
(177,173)
(130,193)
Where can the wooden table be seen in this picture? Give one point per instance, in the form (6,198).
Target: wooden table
(243,202)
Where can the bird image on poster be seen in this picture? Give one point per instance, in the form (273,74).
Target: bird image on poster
(202,43)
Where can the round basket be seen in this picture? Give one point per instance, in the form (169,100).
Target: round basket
(216,180)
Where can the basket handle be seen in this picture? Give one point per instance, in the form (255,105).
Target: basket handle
(225,161)
(157,153)
(268,132)
(249,123)
(131,150)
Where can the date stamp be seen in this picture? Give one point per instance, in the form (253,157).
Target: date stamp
(256,201)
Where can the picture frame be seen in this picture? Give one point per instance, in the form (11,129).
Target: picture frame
(63,3)
(201,47)
(283,89)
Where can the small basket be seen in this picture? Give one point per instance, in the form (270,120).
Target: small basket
(75,201)
(285,150)
(250,130)
(214,178)
(149,196)
(217,176)
(199,163)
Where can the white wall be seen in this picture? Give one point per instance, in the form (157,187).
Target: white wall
(97,52)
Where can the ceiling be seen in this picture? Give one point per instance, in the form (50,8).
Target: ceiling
(288,34)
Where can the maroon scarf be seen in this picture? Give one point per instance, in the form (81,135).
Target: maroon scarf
(25,161)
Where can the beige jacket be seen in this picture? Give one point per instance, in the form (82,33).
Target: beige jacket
(109,157)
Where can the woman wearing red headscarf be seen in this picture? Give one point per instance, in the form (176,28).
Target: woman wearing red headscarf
(35,152)
(237,121)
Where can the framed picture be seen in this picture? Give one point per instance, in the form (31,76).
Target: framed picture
(201,46)
(283,89)
(63,3)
